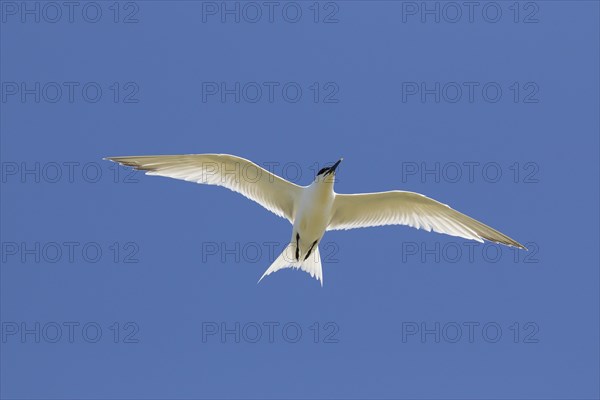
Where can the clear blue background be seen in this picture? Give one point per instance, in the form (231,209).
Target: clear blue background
(370,292)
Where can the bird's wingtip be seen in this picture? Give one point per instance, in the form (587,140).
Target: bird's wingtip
(516,245)
(261,278)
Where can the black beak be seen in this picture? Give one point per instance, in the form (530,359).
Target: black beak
(334,166)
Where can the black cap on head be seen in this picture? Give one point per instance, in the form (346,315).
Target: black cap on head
(329,170)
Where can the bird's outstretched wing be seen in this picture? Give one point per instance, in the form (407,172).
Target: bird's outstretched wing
(412,209)
(235,173)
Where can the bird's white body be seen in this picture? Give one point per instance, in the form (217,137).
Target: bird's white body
(314,209)
(313,214)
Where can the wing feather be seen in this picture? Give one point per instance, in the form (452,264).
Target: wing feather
(235,173)
(412,209)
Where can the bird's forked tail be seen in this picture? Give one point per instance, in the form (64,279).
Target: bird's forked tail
(287,259)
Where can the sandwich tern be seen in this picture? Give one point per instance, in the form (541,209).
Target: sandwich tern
(315,209)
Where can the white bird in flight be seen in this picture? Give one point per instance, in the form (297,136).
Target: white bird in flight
(316,208)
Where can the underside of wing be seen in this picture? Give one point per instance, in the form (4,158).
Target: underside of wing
(412,209)
(235,173)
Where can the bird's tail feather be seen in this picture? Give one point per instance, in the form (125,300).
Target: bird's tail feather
(287,259)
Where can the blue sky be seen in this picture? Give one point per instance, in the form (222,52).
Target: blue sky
(120,285)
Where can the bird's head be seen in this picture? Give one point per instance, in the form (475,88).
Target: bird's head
(327,174)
